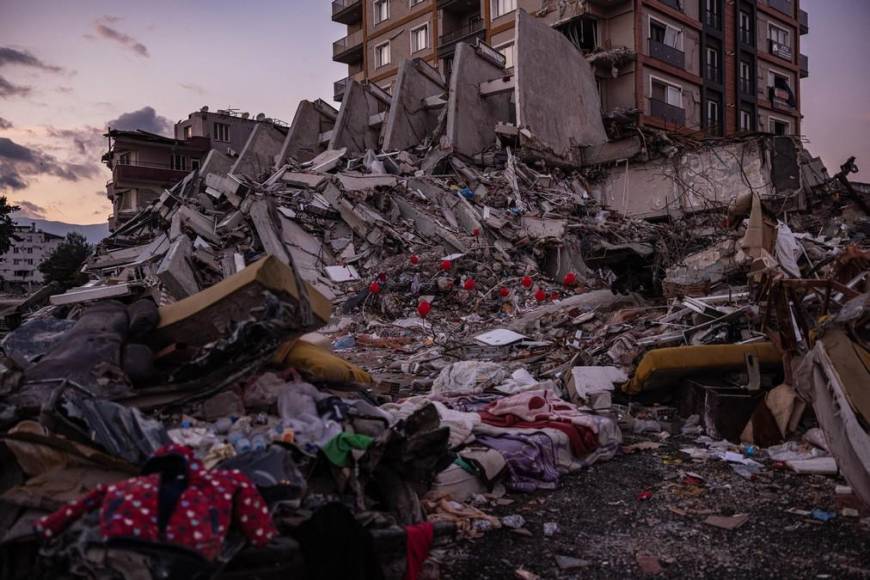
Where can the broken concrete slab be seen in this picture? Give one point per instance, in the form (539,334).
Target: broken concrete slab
(556,94)
(258,157)
(303,139)
(352,127)
(176,272)
(216,162)
(472,118)
(411,118)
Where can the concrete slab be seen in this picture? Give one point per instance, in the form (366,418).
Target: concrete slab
(258,157)
(303,139)
(472,118)
(352,129)
(556,95)
(410,120)
(216,162)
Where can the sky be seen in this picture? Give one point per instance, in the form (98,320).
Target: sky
(69,68)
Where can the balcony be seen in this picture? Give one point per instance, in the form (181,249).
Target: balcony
(151,173)
(338,89)
(746,87)
(349,49)
(805,66)
(713,74)
(447,42)
(784,6)
(675,4)
(780,50)
(746,37)
(804,21)
(668,54)
(667,113)
(347,11)
(459,6)
(712,20)
(779,99)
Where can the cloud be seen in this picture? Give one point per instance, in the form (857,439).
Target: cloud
(102,28)
(193,88)
(64,90)
(30,210)
(24,58)
(87,141)
(7,89)
(145,119)
(18,162)
(4,124)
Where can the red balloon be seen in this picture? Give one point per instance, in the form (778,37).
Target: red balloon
(540,295)
(446,265)
(570,279)
(527,281)
(374,288)
(475,232)
(504,292)
(424,308)
(415,259)
(554,295)
(469,284)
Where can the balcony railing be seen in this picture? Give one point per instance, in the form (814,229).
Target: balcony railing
(346,11)
(746,87)
(152,172)
(668,54)
(349,48)
(778,100)
(805,66)
(447,42)
(804,21)
(746,37)
(666,112)
(781,50)
(712,20)
(339,87)
(784,6)
(713,74)
(459,6)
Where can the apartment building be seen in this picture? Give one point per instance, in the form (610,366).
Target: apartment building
(712,67)
(144,164)
(19,267)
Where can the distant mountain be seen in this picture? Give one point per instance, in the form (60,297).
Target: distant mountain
(94,232)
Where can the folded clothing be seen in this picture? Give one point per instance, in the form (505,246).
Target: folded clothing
(582,439)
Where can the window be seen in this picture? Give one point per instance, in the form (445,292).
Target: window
(745,120)
(179,162)
(711,14)
(502,7)
(667,93)
(746,34)
(221,132)
(780,89)
(508,51)
(712,111)
(124,158)
(420,38)
(745,78)
(665,34)
(188,132)
(711,71)
(779,35)
(381,10)
(779,126)
(194,164)
(382,54)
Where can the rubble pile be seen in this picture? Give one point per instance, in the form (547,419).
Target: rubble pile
(372,347)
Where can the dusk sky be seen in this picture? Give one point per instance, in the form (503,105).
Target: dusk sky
(70,67)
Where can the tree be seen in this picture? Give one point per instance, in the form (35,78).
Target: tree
(7,226)
(65,262)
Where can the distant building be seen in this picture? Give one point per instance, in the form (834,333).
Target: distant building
(144,164)
(19,267)
(713,66)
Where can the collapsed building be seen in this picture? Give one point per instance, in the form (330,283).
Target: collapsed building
(387,311)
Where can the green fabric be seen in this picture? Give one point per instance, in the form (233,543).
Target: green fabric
(338,448)
(461,462)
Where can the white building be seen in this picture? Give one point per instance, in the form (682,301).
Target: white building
(20,265)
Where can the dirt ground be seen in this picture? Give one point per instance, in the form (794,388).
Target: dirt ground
(605,527)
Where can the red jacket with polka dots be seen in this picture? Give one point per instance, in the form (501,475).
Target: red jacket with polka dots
(206,505)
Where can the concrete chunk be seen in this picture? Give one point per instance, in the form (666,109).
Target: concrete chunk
(258,157)
(411,119)
(352,129)
(303,139)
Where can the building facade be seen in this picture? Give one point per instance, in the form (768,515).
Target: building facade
(144,164)
(717,67)
(19,267)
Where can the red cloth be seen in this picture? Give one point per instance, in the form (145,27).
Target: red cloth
(211,502)
(582,439)
(419,540)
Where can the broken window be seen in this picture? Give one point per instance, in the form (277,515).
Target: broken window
(381,10)
(194,164)
(667,93)
(582,32)
(779,127)
(179,162)
(665,34)
(420,38)
(780,88)
(382,54)
(507,51)
(712,65)
(502,7)
(221,132)
(746,34)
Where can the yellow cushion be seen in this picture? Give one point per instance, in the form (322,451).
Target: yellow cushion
(319,363)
